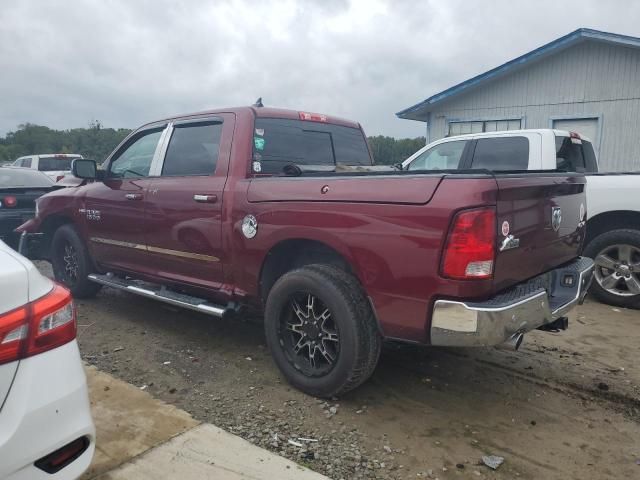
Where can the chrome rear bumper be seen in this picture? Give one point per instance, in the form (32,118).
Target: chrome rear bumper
(523,308)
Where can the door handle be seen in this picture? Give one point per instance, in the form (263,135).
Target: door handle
(133,196)
(205,198)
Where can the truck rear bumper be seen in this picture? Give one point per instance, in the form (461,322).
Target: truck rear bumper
(527,306)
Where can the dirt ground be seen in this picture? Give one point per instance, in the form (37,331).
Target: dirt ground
(565,406)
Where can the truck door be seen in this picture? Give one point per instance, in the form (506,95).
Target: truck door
(113,211)
(184,210)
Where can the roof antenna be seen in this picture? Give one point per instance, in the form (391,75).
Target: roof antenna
(258,103)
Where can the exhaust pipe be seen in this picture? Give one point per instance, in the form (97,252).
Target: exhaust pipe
(512,343)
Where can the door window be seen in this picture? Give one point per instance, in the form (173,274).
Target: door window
(26,162)
(445,156)
(193,150)
(135,159)
(501,153)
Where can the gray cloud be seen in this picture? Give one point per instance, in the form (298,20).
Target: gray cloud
(127,62)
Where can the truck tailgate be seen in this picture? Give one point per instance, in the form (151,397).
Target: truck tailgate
(545,214)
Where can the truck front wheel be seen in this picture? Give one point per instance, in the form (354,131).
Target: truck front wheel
(617,273)
(321,331)
(71,262)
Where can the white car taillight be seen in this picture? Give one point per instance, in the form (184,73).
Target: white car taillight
(56,319)
(44,324)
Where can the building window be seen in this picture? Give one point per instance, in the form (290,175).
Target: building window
(462,128)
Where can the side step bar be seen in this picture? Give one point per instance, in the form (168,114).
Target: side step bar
(162,294)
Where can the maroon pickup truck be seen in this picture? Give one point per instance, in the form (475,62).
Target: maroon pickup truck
(281,212)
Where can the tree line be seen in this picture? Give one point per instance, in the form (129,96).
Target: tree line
(94,142)
(97,142)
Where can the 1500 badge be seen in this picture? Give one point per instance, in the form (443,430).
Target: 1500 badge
(90,214)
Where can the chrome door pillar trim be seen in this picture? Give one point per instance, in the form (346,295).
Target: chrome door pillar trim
(160,152)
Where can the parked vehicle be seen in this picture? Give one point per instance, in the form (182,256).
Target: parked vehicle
(19,189)
(46,430)
(275,211)
(613,199)
(55,165)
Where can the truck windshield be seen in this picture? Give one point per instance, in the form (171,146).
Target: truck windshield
(279,142)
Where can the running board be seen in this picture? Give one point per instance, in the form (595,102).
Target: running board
(162,294)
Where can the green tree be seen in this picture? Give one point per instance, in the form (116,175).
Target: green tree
(94,142)
(389,150)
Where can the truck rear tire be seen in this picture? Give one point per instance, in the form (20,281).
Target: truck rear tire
(321,330)
(71,262)
(617,271)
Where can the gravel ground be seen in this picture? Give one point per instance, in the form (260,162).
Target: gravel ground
(564,406)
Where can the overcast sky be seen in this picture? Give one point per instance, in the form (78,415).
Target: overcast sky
(126,62)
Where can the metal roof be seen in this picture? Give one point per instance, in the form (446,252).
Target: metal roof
(417,111)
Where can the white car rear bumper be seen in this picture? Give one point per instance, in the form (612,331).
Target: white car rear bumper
(46,409)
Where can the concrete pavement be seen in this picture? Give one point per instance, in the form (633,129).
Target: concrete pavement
(141,438)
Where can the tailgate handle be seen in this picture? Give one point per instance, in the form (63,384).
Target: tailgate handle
(133,196)
(205,198)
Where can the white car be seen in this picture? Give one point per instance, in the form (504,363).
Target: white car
(55,165)
(613,200)
(46,430)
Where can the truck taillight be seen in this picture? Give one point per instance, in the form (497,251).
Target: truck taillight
(470,249)
(44,324)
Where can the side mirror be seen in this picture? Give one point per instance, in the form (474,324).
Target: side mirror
(84,168)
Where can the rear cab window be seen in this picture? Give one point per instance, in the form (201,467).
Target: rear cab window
(575,155)
(501,153)
(16,177)
(51,164)
(280,142)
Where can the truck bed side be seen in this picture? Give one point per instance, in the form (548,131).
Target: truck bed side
(390,230)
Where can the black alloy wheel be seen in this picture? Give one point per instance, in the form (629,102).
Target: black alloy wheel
(72,263)
(308,334)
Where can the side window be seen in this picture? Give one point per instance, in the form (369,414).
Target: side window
(569,157)
(26,162)
(590,162)
(445,156)
(135,159)
(193,150)
(501,153)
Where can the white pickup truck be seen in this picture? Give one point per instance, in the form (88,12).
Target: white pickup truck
(613,199)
